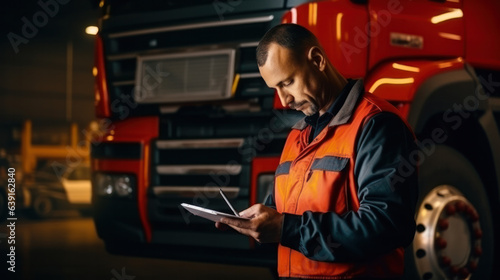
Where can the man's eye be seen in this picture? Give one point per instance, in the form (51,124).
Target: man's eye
(287,83)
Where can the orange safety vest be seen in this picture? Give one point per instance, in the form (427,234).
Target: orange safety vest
(319,177)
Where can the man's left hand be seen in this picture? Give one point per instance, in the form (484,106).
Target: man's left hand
(264,224)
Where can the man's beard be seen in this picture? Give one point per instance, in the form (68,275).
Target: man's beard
(313,108)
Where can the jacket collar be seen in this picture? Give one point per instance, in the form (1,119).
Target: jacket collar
(345,112)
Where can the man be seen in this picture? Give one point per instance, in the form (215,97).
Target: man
(337,210)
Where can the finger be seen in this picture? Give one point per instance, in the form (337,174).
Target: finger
(221,226)
(236,223)
(244,231)
(251,211)
(247,213)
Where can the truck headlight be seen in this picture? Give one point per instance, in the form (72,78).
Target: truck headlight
(110,185)
(103,184)
(265,185)
(123,186)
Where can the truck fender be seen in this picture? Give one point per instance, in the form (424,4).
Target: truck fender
(448,88)
(446,93)
(457,90)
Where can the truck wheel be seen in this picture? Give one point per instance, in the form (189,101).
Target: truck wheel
(454,237)
(42,207)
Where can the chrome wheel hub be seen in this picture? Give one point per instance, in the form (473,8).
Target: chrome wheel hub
(447,243)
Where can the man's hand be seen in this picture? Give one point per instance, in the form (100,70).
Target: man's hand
(264,224)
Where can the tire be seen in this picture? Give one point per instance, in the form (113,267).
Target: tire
(43,207)
(452,205)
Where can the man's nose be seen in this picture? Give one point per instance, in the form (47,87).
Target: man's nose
(285,98)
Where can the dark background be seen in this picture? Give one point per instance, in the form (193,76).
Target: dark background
(49,80)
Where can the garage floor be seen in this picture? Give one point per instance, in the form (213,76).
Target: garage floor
(67,247)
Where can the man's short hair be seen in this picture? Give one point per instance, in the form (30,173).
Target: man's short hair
(291,36)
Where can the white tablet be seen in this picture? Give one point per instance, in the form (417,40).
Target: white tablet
(208,213)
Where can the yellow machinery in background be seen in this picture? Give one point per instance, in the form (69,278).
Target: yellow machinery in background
(56,176)
(30,154)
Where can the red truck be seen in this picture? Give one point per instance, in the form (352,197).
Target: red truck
(185,112)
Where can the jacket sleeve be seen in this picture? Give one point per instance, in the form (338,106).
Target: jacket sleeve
(387,191)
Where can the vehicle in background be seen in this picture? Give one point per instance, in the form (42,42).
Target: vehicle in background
(185,112)
(58,187)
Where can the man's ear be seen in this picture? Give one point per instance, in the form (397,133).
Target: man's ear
(317,57)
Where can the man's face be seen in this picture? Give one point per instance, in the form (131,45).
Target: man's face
(297,80)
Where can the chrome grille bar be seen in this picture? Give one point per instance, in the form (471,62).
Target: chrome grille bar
(198,169)
(230,192)
(193,26)
(196,144)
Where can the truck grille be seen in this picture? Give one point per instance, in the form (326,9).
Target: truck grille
(184,77)
(196,155)
(186,168)
(192,171)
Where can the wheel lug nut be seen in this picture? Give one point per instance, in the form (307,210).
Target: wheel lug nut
(478,233)
(441,243)
(463,272)
(460,206)
(469,210)
(450,209)
(472,265)
(445,261)
(474,217)
(478,251)
(443,224)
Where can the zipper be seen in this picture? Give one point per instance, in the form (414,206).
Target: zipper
(309,174)
(304,181)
